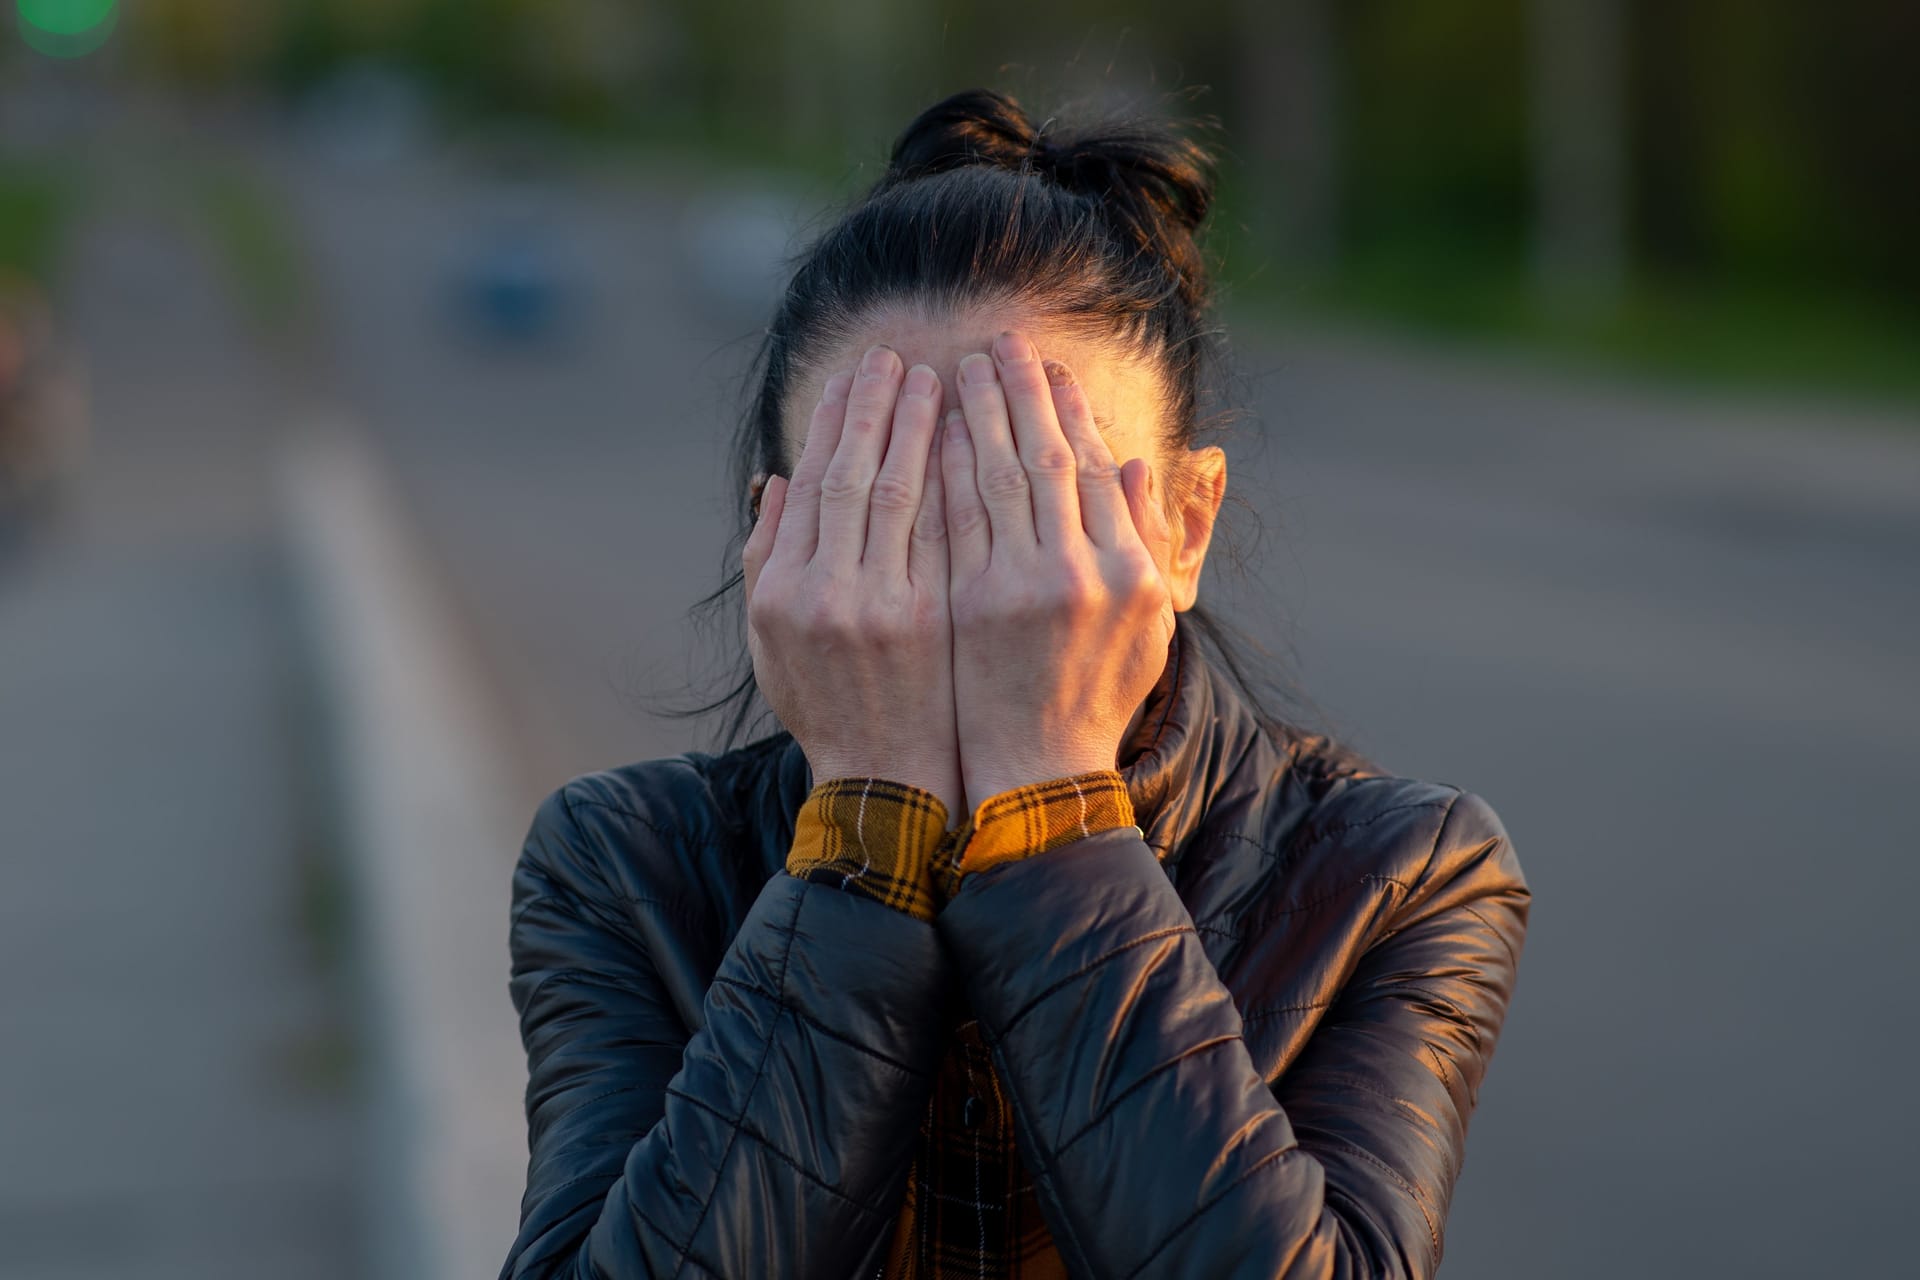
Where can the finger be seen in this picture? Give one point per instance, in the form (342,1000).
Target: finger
(1038,439)
(1000,477)
(893,504)
(969,530)
(1103,503)
(927,553)
(800,515)
(759,546)
(845,489)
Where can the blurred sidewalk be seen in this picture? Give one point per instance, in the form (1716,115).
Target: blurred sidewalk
(177,1075)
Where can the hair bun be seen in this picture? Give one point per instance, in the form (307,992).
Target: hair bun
(1156,185)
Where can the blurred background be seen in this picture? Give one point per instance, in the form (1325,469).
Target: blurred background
(366,371)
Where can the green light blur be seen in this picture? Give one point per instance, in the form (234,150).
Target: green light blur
(67,28)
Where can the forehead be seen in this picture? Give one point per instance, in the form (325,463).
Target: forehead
(1123,390)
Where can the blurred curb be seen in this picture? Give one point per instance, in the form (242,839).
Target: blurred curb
(431,806)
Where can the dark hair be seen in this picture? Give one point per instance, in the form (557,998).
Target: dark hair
(1094,229)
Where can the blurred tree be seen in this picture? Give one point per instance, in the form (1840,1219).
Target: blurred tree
(1288,118)
(203,41)
(1578,131)
(1434,137)
(1441,145)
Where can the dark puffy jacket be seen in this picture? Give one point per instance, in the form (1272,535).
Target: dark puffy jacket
(1256,1057)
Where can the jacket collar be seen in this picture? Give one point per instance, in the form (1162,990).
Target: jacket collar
(1194,734)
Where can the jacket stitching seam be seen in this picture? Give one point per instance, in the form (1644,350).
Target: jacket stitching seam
(759,1071)
(1433,1234)
(1267,917)
(570,804)
(1272,1157)
(686,1255)
(1355,1082)
(602,1097)
(721,980)
(1274,1011)
(668,835)
(1046,1175)
(773,1150)
(1327,833)
(1512,959)
(584,1177)
(1087,968)
(1113,1104)
(841,1036)
(561,893)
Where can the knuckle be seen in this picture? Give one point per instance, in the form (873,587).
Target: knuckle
(928,611)
(841,485)
(820,617)
(893,494)
(804,489)
(966,519)
(883,621)
(767,607)
(1004,480)
(1052,459)
(1097,469)
(1074,590)
(1143,582)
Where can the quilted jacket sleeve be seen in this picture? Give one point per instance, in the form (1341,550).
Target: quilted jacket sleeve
(768,1143)
(1112,1023)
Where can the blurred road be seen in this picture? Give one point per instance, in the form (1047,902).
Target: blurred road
(1669,637)
(176,1080)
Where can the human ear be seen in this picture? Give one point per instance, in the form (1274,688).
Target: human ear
(1192,525)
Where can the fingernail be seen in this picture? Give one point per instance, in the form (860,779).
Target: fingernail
(1058,374)
(977,368)
(957,426)
(1011,346)
(921,381)
(880,359)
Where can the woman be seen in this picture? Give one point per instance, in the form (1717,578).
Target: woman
(1182,991)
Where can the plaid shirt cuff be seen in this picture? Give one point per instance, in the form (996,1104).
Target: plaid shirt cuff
(873,837)
(1023,821)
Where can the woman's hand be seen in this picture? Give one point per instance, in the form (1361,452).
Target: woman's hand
(1061,615)
(846,580)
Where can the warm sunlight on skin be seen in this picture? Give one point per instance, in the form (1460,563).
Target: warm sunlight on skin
(1124,393)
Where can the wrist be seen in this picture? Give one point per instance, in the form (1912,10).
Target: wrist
(1001,779)
(943,782)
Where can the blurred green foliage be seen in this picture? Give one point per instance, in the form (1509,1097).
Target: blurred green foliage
(255,240)
(1772,147)
(34,200)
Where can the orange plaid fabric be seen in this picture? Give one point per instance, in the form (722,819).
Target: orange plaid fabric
(873,837)
(1032,819)
(970,1207)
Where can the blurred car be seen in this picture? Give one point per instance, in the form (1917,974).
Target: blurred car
(516,266)
(514,279)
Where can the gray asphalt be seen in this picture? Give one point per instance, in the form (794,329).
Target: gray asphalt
(1669,635)
(176,1090)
